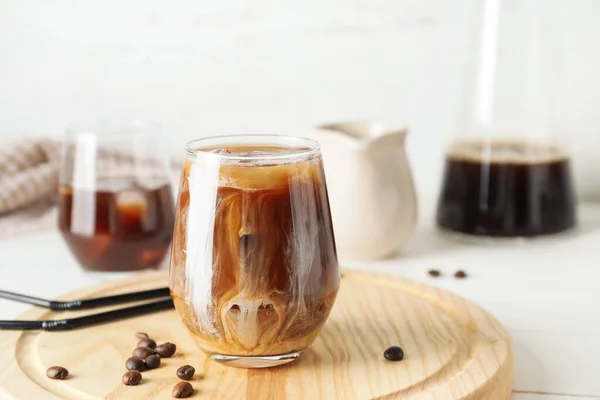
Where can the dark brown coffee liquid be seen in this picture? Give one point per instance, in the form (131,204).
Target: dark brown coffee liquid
(506,189)
(119,226)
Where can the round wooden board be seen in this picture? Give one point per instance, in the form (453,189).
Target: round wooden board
(454,350)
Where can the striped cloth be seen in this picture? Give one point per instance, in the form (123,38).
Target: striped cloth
(28,185)
(39,217)
(28,173)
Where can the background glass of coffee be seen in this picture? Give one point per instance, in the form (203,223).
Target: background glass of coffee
(254,271)
(508,172)
(116,207)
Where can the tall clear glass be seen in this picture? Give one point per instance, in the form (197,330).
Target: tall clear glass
(254,271)
(116,208)
(508,171)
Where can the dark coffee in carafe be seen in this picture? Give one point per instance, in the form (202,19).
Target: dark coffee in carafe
(506,189)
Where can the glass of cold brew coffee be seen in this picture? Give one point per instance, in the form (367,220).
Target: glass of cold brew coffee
(254,271)
(508,172)
(116,207)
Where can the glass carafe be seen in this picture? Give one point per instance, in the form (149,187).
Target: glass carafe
(507,172)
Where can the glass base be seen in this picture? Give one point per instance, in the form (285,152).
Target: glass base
(468,238)
(255,361)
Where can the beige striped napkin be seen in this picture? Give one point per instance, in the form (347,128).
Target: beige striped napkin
(28,185)
(28,173)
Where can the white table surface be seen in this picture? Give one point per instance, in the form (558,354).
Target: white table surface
(546,294)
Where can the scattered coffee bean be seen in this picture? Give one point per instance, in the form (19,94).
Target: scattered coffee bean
(143,352)
(132,378)
(394,353)
(152,362)
(460,274)
(182,390)
(142,335)
(135,364)
(151,344)
(57,372)
(166,349)
(434,272)
(186,372)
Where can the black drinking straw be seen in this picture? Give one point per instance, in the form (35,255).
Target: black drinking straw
(81,322)
(86,303)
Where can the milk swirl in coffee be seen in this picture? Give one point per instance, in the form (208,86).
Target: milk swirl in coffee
(253,269)
(506,189)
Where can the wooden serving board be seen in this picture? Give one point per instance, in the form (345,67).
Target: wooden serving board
(453,350)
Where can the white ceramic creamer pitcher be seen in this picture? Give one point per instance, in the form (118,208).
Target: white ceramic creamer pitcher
(371,191)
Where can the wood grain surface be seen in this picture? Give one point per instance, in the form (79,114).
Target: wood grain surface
(453,350)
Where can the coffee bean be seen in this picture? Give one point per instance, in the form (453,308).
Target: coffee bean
(166,349)
(182,390)
(142,335)
(135,364)
(152,362)
(132,378)
(186,372)
(434,272)
(460,274)
(57,372)
(143,352)
(151,344)
(394,353)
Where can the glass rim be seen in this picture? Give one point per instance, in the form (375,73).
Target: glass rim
(309,146)
(112,127)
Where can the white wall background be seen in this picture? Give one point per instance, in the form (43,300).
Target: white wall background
(247,66)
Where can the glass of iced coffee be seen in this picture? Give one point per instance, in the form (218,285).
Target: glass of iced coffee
(116,207)
(254,271)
